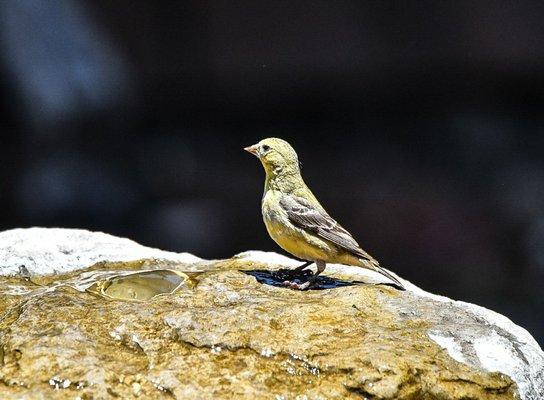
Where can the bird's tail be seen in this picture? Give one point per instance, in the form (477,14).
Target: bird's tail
(375,267)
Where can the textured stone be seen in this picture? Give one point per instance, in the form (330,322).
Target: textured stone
(55,250)
(226,335)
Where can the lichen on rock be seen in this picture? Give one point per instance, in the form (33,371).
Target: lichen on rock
(226,335)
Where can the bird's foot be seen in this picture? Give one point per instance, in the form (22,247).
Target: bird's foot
(291,274)
(298,278)
(296,285)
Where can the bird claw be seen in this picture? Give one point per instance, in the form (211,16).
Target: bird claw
(296,286)
(290,275)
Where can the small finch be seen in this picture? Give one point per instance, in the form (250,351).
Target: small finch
(298,223)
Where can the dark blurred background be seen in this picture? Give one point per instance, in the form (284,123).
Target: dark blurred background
(419,125)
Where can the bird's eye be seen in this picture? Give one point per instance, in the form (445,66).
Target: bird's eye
(266,147)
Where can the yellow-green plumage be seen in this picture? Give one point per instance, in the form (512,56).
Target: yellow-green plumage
(297,241)
(295,219)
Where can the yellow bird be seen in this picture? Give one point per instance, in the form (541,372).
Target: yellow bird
(297,222)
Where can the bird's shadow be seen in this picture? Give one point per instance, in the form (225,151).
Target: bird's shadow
(277,278)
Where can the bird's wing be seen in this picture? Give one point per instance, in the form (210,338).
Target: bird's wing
(304,215)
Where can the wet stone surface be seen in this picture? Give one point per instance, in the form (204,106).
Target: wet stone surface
(227,329)
(280,277)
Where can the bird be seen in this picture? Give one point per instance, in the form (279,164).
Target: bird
(298,223)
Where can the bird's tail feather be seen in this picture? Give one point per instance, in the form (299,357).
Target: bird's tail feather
(385,273)
(390,276)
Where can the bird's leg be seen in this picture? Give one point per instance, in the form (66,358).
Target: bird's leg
(320,264)
(303,266)
(287,275)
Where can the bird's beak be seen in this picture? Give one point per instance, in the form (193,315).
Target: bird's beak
(253,150)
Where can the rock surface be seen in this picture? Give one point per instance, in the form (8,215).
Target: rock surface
(223,334)
(56,250)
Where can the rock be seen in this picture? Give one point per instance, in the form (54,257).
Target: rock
(43,251)
(223,334)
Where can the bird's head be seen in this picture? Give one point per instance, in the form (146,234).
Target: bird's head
(276,155)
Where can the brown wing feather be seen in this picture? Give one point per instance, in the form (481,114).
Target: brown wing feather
(305,216)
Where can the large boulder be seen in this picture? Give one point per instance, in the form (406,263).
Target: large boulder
(225,329)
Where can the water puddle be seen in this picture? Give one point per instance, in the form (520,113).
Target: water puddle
(141,285)
(277,278)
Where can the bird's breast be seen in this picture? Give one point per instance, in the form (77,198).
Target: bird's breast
(275,218)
